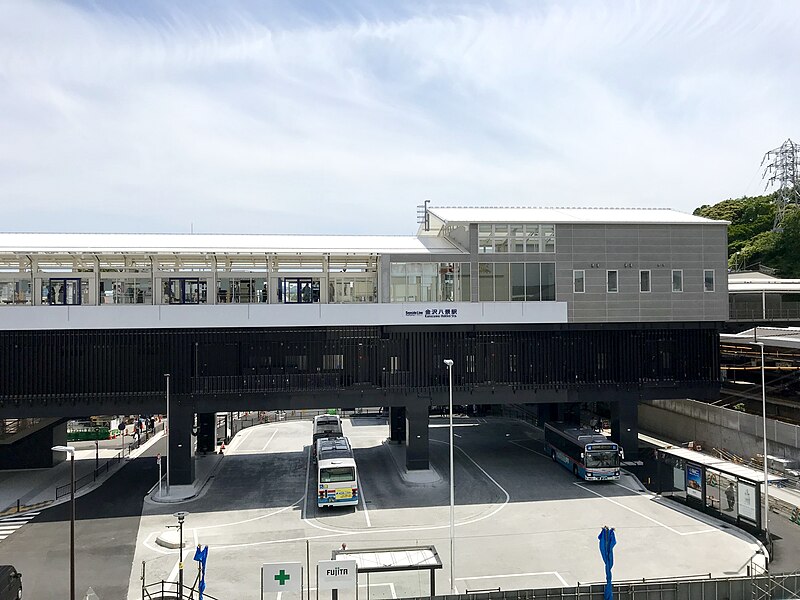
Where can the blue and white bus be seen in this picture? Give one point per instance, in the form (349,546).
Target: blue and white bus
(337,476)
(587,453)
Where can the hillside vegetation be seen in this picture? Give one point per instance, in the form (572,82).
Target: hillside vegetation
(751,241)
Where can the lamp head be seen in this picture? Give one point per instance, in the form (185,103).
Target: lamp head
(448,362)
(180,515)
(68,449)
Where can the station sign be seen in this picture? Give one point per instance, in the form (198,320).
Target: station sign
(337,575)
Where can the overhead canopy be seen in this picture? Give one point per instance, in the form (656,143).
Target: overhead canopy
(609,216)
(414,558)
(724,466)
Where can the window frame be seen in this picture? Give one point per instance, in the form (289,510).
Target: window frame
(608,282)
(672,281)
(575,280)
(649,281)
(713,280)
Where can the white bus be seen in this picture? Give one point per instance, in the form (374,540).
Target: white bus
(325,426)
(337,477)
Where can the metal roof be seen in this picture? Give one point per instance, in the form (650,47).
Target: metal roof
(779,337)
(607,216)
(392,559)
(719,464)
(202,243)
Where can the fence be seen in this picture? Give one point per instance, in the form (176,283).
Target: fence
(699,587)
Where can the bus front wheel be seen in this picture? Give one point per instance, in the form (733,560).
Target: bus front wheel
(575,470)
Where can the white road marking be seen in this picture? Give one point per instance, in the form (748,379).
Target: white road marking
(269,440)
(239,440)
(363,500)
(556,573)
(420,528)
(636,512)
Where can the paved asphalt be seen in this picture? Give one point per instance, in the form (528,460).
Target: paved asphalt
(107,521)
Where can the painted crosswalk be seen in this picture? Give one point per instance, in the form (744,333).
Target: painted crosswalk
(9,525)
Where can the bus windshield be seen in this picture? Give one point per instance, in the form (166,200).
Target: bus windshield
(337,474)
(605,458)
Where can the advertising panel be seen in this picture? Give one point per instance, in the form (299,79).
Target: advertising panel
(747,501)
(694,481)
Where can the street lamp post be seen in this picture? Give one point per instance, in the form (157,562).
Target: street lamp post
(449,363)
(764,419)
(166,431)
(70,450)
(180,515)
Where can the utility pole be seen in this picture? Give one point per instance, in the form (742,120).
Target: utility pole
(783,168)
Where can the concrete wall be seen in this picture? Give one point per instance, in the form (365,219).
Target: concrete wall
(737,432)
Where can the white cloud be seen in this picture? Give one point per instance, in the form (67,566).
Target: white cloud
(244,121)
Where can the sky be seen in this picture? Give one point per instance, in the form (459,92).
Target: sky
(341,117)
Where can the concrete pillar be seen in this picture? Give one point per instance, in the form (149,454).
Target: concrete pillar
(181,446)
(417,452)
(397,424)
(548,412)
(625,427)
(206,433)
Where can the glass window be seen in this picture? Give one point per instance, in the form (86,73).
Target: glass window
(712,489)
(486,282)
(532,238)
(677,280)
(464,283)
(612,283)
(708,280)
(501,282)
(15,292)
(516,238)
(644,281)
(518,282)
(397,291)
(548,282)
(337,474)
(533,280)
(579,281)
(548,238)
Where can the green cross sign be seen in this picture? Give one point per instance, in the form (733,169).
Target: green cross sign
(281,577)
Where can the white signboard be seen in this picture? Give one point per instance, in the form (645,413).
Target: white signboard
(337,575)
(747,501)
(282,577)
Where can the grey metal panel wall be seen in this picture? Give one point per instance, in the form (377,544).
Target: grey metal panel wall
(628,249)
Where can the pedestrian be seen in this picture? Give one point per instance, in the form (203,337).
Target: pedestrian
(730,496)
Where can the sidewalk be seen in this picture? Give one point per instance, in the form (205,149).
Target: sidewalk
(29,489)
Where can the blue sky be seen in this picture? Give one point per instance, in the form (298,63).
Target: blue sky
(341,117)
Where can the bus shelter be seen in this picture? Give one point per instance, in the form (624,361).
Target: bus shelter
(381,560)
(724,489)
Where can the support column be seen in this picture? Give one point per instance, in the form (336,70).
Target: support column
(181,446)
(625,427)
(397,424)
(206,433)
(548,412)
(417,452)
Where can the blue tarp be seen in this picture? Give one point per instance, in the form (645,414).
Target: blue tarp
(607,542)
(201,556)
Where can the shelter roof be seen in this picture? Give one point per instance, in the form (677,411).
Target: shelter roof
(606,216)
(392,559)
(725,466)
(197,243)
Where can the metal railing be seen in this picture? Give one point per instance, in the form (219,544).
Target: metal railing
(298,382)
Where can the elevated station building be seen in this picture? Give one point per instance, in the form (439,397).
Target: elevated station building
(541,306)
